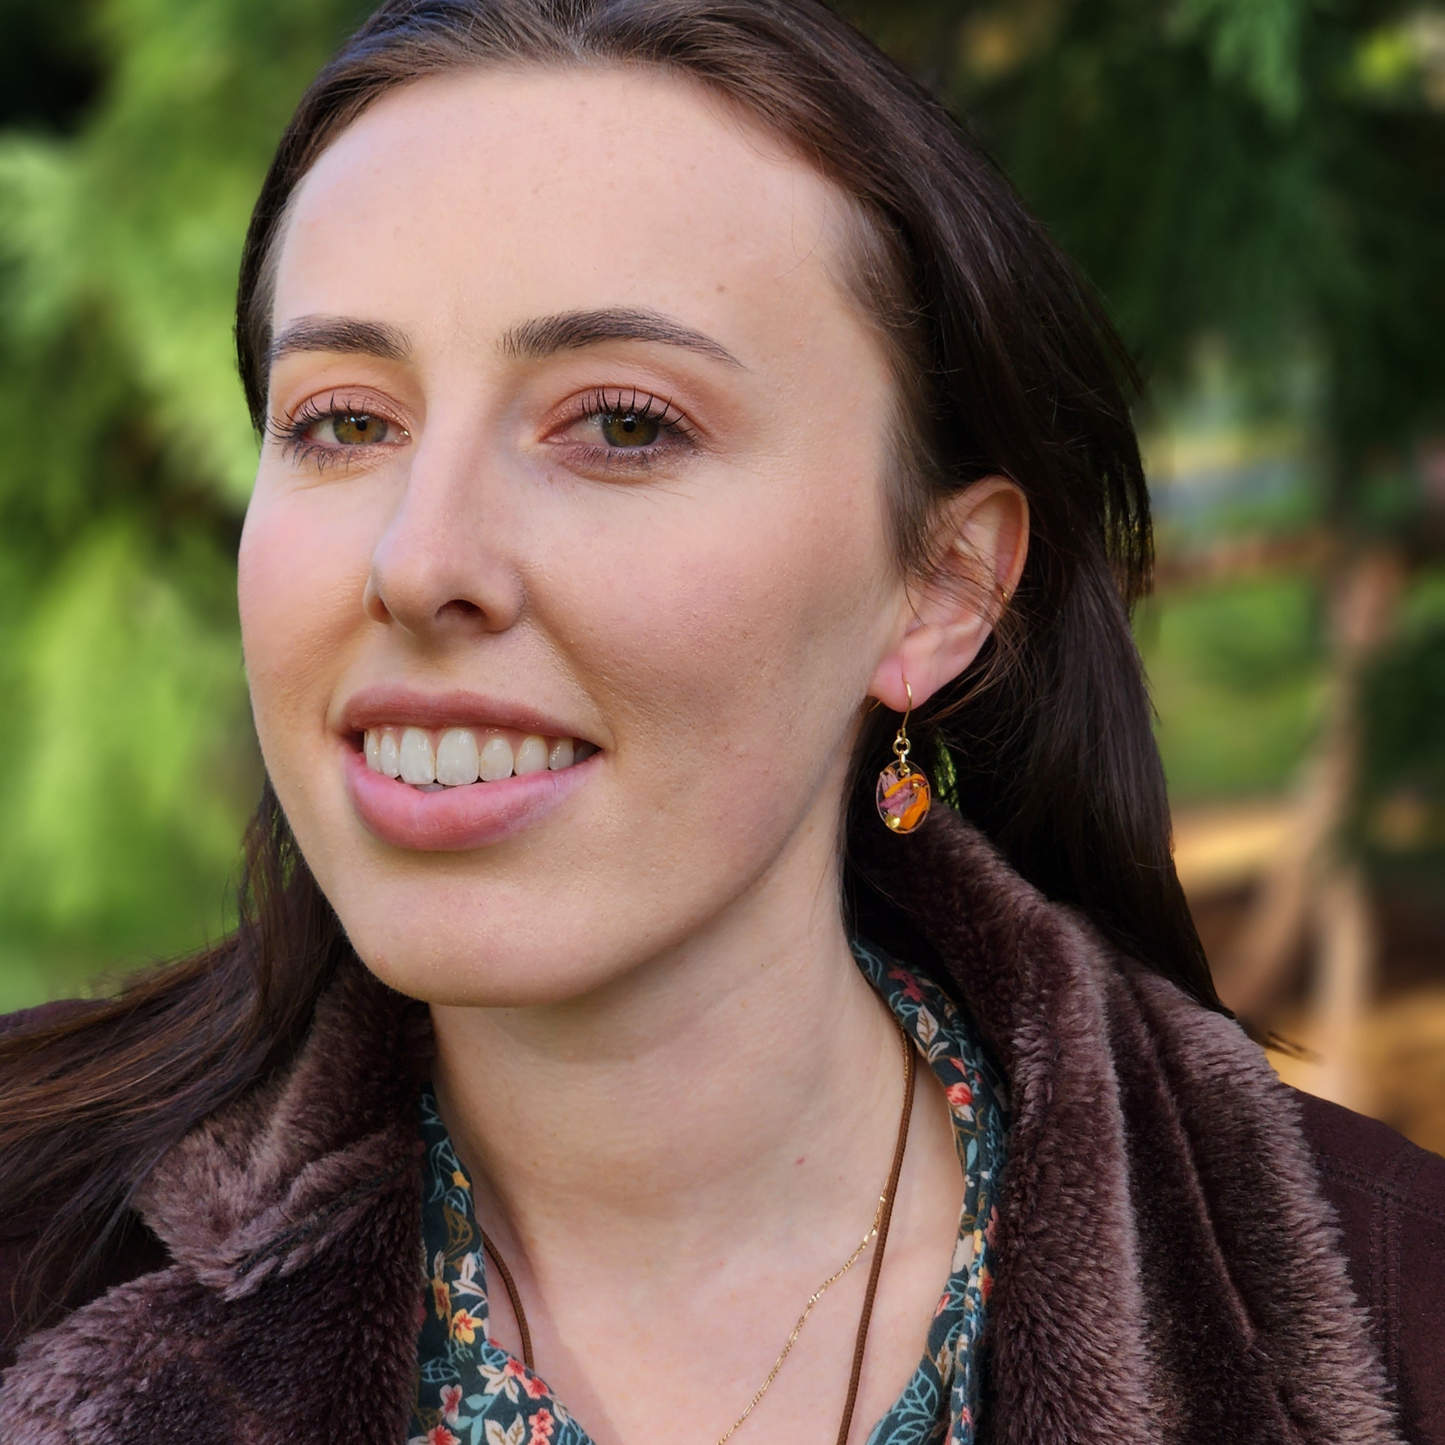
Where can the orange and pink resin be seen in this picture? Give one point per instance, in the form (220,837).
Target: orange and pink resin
(903,798)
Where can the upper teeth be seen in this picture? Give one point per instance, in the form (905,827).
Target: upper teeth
(458,756)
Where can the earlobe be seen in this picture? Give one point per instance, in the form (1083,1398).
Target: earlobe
(984,546)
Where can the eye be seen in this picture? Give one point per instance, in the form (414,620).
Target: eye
(629,428)
(612,428)
(350,429)
(330,429)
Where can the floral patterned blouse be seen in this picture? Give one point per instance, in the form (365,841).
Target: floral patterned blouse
(470,1391)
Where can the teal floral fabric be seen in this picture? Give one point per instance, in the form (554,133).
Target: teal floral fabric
(940,1403)
(470,1391)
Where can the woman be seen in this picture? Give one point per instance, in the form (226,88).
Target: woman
(684,462)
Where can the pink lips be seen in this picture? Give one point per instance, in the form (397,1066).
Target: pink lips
(385,703)
(451,819)
(455,819)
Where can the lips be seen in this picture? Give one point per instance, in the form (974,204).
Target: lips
(459,818)
(390,705)
(455,772)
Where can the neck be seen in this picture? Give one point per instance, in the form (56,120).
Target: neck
(742,1080)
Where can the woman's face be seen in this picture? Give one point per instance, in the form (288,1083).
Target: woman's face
(575,433)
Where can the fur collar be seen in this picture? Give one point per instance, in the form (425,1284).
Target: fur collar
(291,1308)
(1167,1271)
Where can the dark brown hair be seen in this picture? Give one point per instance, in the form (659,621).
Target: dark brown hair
(1006,364)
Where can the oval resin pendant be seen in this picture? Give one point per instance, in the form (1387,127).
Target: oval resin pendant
(903,798)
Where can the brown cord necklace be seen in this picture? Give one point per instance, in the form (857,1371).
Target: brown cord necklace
(879,1230)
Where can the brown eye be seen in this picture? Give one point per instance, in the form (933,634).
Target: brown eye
(628,429)
(358,428)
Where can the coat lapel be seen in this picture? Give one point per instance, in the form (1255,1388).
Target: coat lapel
(1167,1270)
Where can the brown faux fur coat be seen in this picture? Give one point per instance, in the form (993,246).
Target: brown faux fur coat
(1168,1270)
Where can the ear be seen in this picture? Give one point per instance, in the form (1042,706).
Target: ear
(983,536)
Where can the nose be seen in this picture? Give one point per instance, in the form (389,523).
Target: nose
(441,567)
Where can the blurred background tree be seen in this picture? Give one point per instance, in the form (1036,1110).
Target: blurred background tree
(134,136)
(1256,186)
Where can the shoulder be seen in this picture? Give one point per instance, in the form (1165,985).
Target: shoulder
(133,1251)
(1389,1195)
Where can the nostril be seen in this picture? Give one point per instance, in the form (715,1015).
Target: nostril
(461,607)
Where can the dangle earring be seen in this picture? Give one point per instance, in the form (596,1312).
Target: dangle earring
(904,796)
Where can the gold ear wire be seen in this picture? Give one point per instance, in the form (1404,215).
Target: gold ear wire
(903,795)
(901,745)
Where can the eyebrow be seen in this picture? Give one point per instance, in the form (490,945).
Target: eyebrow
(546,335)
(342,334)
(533,340)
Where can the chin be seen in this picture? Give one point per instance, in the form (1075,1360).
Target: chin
(502,962)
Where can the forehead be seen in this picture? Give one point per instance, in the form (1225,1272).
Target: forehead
(484,195)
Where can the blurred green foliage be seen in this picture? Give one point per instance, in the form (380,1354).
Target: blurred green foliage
(1269,174)
(1237,673)
(127,462)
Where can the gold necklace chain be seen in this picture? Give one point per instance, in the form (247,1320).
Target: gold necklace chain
(878,1229)
(803,1318)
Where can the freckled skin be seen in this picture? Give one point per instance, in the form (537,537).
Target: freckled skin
(644,999)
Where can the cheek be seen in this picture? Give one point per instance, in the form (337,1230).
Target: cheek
(300,577)
(740,630)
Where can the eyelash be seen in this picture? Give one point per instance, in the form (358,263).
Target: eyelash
(291,431)
(619,401)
